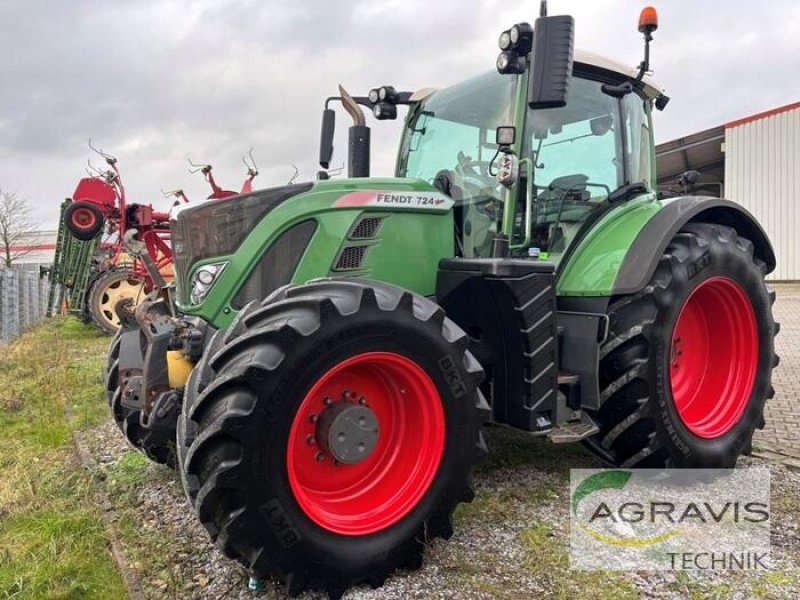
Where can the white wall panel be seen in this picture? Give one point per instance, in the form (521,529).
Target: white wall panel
(762,173)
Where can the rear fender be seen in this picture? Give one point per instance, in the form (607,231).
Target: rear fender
(649,245)
(620,251)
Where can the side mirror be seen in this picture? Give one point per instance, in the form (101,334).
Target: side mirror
(326,137)
(551,67)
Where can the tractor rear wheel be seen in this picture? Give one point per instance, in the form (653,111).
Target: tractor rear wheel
(107,290)
(84,220)
(332,432)
(686,368)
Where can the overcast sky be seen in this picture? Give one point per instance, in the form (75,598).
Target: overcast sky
(155,81)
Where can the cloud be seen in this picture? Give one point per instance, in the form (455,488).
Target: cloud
(156,81)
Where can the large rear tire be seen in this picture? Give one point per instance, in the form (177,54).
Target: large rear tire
(269,420)
(107,291)
(686,369)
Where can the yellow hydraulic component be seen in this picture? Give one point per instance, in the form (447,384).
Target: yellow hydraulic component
(178,369)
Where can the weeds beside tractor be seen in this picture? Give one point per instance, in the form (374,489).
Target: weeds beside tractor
(321,369)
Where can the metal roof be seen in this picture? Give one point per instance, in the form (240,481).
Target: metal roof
(762,115)
(703,151)
(700,151)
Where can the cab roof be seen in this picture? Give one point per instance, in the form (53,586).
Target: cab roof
(651,87)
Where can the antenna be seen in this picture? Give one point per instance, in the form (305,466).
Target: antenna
(543,8)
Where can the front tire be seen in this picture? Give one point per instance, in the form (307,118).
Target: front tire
(686,369)
(266,461)
(157,445)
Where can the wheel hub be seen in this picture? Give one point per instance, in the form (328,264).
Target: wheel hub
(84,217)
(347,431)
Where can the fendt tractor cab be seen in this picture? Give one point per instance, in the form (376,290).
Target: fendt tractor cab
(345,340)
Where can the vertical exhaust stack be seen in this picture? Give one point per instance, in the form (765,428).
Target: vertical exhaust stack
(358,157)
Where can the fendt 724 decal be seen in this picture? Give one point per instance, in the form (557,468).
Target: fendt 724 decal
(396,199)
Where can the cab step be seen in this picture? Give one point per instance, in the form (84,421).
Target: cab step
(574,430)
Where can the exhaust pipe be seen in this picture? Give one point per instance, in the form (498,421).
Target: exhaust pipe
(358,157)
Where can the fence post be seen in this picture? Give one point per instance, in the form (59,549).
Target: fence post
(9,311)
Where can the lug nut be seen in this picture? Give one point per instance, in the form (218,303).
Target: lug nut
(320,456)
(310,439)
(327,401)
(362,401)
(313,418)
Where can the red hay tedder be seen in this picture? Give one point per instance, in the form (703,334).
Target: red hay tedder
(100,207)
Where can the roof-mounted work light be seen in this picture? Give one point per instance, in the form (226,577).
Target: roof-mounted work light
(515,44)
(504,41)
(509,62)
(384,111)
(521,36)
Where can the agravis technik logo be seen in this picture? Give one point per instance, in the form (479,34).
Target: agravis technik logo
(677,519)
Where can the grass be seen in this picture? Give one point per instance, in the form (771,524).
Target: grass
(547,552)
(52,540)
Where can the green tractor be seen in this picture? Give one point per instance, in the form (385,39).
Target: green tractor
(331,350)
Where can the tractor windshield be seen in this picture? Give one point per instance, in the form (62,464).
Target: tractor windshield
(449,140)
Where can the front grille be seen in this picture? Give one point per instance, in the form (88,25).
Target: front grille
(216,228)
(366,228)
(278,264)
(350,258)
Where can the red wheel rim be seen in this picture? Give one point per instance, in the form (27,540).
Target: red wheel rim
(83,218)
(713,357)
(381,489)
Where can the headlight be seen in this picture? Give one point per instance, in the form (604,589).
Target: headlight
(203,279)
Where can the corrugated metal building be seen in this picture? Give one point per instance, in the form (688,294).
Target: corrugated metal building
(754,161)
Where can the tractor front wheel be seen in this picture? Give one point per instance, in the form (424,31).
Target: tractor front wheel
(331,433)
(157,445)
(686,368)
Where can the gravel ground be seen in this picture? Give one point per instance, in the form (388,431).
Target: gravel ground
(511,542)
